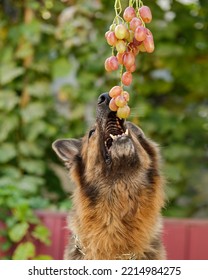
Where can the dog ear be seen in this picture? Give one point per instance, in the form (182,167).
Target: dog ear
(137,130)
(67,149)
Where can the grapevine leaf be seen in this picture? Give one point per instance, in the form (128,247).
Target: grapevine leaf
(42,233)
(24,251)
(17,232)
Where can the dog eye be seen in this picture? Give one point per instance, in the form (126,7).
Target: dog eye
(92,131)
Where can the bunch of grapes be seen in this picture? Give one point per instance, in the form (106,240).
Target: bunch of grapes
(127,36)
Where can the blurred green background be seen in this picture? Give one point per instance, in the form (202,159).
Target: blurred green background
(52,57)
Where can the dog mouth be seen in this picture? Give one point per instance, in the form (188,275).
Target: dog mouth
(114,130)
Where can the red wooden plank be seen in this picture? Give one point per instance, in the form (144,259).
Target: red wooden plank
(175,239)
(183,239)
(1,241)
(198,240)
(54,222)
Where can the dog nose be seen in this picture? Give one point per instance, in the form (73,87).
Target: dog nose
(104,98)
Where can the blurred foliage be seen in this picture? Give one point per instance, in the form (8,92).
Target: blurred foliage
(52,55)
(22,229)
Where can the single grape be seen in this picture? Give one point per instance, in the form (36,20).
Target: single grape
(121,31)
(126,78)
(106,34)
(107,65)
(112,105)
(129,13)
(145,14)
(120,101)
(126,95)
(120,57)
(132,68)
(111,38)
(113,61)
(123,112)
(134,23)
(121,46)
(140,33)
(149,44)
(115,91)
(128,59)
(111,64)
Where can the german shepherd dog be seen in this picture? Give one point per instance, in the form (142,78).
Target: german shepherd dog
(119,191)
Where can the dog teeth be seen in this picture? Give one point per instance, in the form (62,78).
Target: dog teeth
(117,136)
(113,136)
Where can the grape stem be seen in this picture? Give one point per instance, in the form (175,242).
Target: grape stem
(139,4)
(118,10)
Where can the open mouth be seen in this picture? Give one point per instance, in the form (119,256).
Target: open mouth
(114,129)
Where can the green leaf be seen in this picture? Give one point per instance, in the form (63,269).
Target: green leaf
(24,251)
(61,68)
(33,166)
(6,246)
(33,111)
(30,184)
(8,125)
(25,50)
(32,31)
(23,213)
(8,100)
(9,72)
(39,89)
(7,152)
(11,172)
(41,233)
(17,232)
(29,149)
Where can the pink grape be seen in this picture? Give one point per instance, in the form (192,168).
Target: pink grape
(106,33)
(107,65)
(112,105)
(134,23)
(145,14)
(128,59)
(111,38)
(120,57)
(149,44)
(132,68)
(120,101)
(111,64)
(140,33)
(115,91)
(126,78)
(129,13)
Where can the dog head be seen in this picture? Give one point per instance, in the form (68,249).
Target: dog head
(112,150)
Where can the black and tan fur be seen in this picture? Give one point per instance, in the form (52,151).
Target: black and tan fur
(119,191)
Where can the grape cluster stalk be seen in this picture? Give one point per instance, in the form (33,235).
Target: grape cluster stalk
(128,36)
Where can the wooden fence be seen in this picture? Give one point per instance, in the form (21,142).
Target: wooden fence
(184,239)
